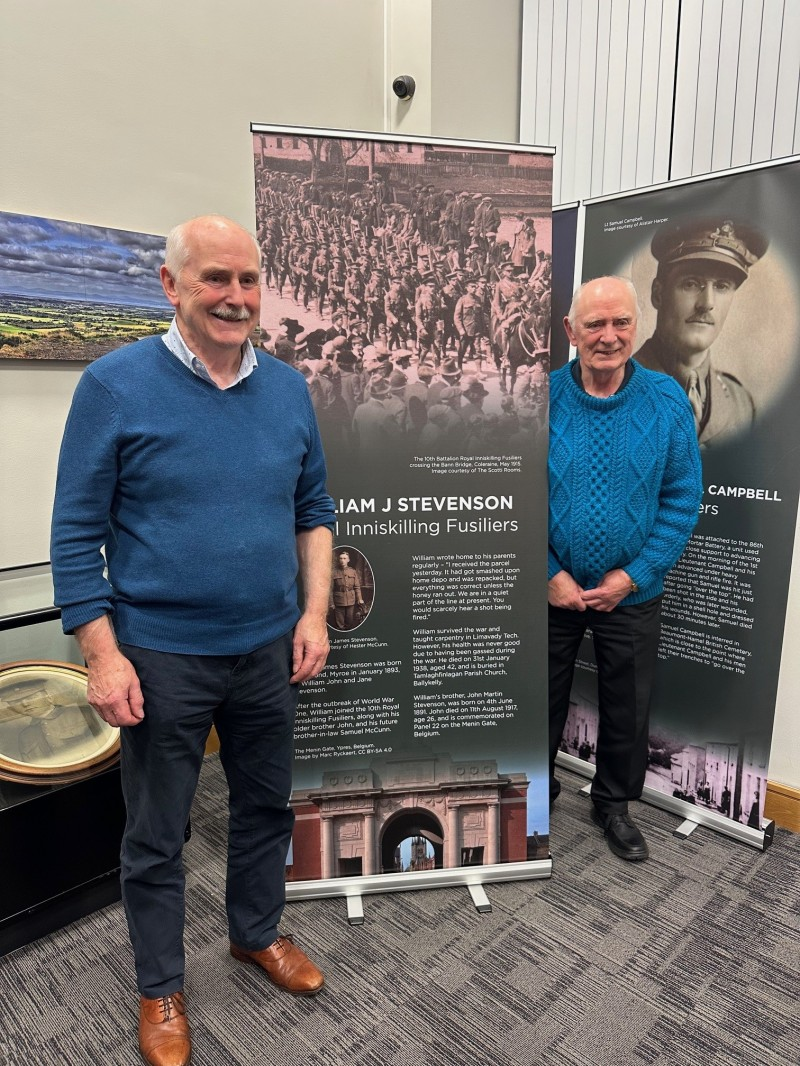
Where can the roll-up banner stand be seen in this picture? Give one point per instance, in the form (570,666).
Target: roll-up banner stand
(409,282)
(715,263)
(565,225)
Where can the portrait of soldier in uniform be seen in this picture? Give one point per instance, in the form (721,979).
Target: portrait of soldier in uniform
(701,266)
(351,590)
(50,725)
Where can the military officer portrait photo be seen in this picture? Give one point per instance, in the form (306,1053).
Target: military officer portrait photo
(352,589)
(717,321)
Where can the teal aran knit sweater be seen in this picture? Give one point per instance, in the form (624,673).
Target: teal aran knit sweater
(625,480)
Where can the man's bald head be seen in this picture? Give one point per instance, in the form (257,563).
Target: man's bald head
(186,235)
(596,286)
(602,327)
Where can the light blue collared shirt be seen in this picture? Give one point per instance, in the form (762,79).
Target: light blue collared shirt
(177,345)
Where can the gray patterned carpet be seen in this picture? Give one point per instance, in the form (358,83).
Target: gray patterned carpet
(691,959)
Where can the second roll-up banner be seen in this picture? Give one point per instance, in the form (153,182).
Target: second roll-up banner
(409,281)
(715,264)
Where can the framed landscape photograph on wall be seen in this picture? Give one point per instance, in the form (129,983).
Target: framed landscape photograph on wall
(69,291)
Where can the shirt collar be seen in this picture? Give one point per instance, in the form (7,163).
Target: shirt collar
(176,344)
(575,368)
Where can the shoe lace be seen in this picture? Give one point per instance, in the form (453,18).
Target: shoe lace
(169,1007)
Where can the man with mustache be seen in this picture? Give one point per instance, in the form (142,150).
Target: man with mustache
(701,264)
(198,468)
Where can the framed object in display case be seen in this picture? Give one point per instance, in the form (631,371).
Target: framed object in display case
(48,732)
(61,807)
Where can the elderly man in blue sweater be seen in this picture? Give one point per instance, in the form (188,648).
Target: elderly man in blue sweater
(199,469)
(625,489)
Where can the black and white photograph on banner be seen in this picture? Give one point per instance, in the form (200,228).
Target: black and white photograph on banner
(379,264)
(352,589)
(409,282)
(707,282)
(714,262)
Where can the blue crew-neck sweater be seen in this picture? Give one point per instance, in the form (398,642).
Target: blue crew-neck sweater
(197,494)
(625,480)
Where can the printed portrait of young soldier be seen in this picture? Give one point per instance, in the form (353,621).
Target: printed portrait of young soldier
(347,602)
(701,265)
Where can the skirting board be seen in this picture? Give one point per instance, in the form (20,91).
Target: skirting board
(782,806)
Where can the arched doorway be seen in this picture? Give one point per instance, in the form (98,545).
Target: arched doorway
(412,840)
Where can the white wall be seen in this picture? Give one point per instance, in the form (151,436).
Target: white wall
(737,86)
(597,81)
(135,115)
(476,64)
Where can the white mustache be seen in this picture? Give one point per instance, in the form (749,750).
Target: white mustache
(230,314)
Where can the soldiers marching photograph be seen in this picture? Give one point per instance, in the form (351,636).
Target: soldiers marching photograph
(410,285)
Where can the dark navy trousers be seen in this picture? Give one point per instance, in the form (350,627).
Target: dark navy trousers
(626,652)
(250,701)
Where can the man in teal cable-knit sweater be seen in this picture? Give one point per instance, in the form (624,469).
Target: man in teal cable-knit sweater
(199,468)
(625,488)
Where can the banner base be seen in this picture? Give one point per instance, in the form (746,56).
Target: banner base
(355,887)
(480,899)
(355,910)
(745,834)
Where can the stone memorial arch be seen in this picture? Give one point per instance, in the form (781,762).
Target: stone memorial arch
(465,812)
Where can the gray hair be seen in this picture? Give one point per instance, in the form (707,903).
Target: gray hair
(607,277)
(176,250)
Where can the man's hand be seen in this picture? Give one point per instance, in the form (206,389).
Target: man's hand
(114,691)
(615,586)
(113,687)
(310,648)
(564,591)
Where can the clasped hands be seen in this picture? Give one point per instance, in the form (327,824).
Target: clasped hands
(564,591)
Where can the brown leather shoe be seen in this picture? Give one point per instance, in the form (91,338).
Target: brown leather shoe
(164,1031)
(285,965)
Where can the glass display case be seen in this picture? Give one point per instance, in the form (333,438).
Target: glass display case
(61,807)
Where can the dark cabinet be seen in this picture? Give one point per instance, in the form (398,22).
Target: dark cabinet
(59,838)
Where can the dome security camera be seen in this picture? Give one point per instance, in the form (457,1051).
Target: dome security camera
(403,86)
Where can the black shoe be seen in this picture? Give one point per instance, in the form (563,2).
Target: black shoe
(622,835)
(555,790)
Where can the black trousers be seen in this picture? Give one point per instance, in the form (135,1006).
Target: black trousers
(250,701)
(626,651)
